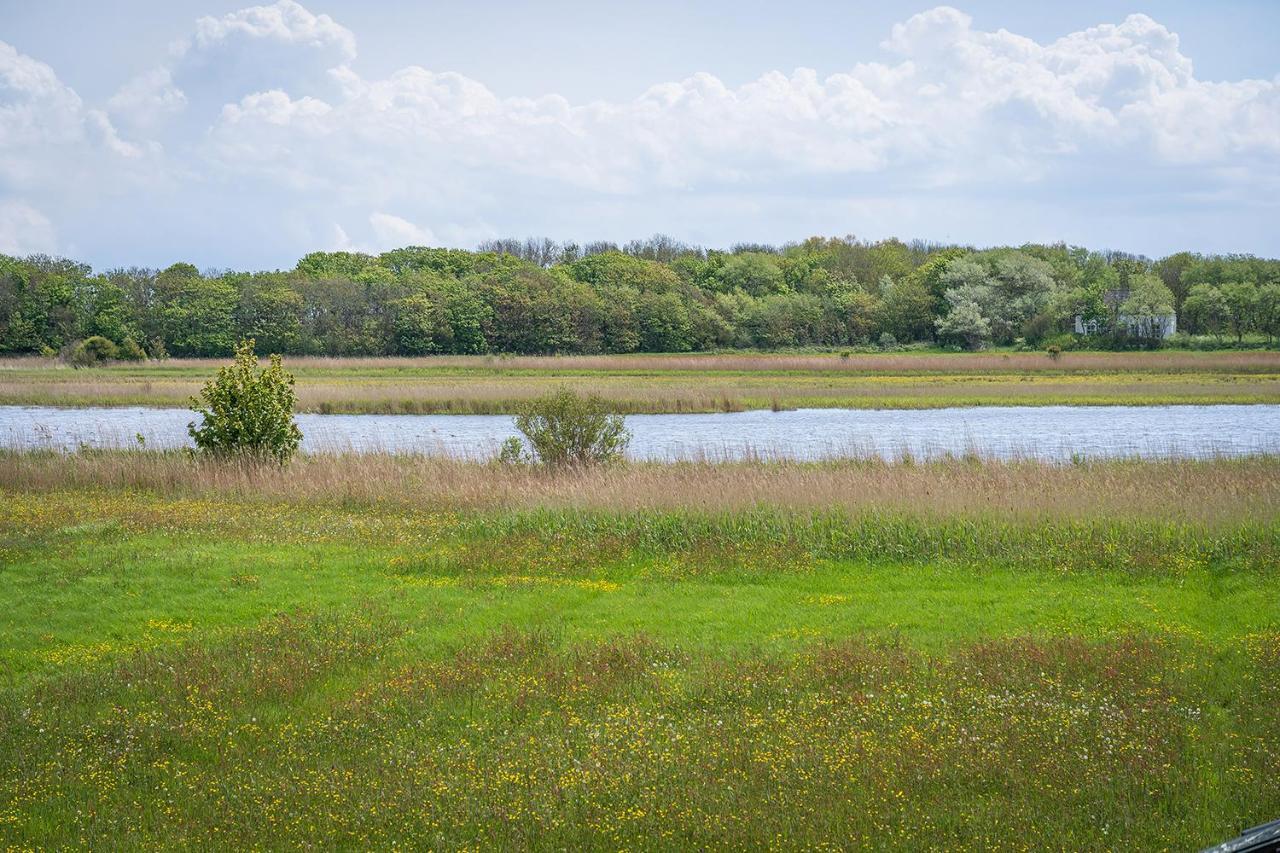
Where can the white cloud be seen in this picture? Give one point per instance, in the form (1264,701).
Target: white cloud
(278,47)
(148,99)
(49,139)
(35,107)
(285,22)
(24,230)
(392,231)
(961,104)
(264,107)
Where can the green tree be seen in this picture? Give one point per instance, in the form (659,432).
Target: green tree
(906,311)
(195,316)
(930,273)
(246,411)
(1205,310)
(269,310)
(756,273)
(964,323)
(1269,311)
(418,326)
(1241,298)
(1147,307)
(664,322)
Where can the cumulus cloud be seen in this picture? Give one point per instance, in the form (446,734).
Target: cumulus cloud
(48,136)
(282,46)
(392,231)
(960,104)
(24,230)
(285,23)
(265,106)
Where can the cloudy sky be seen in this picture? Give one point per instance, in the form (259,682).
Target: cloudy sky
(245,136)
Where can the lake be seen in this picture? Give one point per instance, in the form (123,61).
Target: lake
(1054,433)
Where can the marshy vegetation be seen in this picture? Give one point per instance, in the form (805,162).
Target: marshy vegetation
(371,650)
(381,650)
(684,383)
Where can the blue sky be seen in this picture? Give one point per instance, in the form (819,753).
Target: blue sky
(234,135)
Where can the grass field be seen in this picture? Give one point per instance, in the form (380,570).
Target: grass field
(687,383)
(376,651)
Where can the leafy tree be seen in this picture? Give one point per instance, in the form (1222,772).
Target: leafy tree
(756,273)
(964,323)
(1147,306)
(246,411)
(1205,310)
(614,268)
(1269,311)
(1172,271)
(850,313)
(665,324)
(352,265)
(930,273)
(418,326)
(565,429)
(1241,298)
(193,315)
(104,310)
(269,310)
(906,311)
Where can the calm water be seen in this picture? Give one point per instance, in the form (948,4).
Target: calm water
(1045,432)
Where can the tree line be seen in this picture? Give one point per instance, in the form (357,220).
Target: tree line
(655,295)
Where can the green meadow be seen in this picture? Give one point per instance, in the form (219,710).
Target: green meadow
(192,662)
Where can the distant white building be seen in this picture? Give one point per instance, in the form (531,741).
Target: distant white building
(1165,326)
(1146,327)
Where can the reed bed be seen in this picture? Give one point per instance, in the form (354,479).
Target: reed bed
(903,363)
(687,383)
(371,392)
(1209,491)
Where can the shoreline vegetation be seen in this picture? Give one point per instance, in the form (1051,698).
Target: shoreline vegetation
(376,650)
(1201,491)
(662,384)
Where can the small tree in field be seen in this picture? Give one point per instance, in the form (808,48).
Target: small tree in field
(566,429)
(247,411)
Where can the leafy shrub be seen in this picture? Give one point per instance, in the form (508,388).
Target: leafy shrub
(888,342)
(566,429)
(157,350)
(1064,342)
(1054,351)
(512,452)
(92,350)
(130,351)
(247,411)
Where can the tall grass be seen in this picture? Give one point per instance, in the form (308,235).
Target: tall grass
(1228,490)
(885,363)
(688,383)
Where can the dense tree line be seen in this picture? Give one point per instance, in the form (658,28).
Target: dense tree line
(656,295)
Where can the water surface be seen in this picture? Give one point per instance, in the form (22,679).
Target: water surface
(1002,432)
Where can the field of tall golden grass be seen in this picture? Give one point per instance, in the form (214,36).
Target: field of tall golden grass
(1235,490)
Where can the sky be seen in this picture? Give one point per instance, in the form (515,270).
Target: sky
(238,136)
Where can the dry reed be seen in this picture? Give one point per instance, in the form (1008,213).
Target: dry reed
(1195,491)
(872,363)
